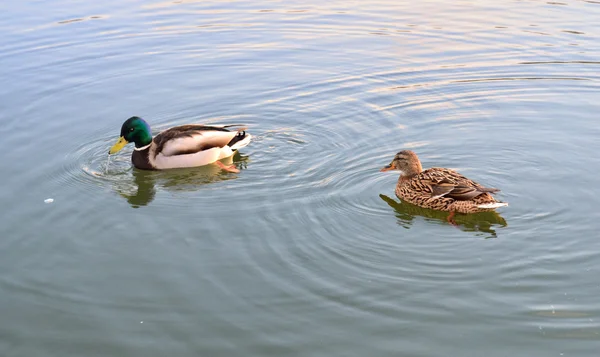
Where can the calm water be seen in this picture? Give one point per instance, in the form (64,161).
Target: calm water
(305,252)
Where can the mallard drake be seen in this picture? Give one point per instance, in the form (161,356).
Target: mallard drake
(180,146)
(440,189)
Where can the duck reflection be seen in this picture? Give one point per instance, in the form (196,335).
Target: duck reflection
(476,222)
(142,190)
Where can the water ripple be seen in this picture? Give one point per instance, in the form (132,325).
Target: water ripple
(308,238)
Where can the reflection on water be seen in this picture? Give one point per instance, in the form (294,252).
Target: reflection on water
(142,190)
(476,222)
(139,193)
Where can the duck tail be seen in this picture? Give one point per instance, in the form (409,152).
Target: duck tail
(241,140)
(493,205)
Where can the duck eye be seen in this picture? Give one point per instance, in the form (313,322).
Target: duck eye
(131,129)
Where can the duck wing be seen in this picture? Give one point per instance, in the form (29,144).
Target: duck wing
(450,184)
(190,139)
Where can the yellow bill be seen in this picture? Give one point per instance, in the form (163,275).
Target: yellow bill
(118,146)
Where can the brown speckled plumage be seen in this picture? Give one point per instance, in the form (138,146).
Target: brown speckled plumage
(439,188)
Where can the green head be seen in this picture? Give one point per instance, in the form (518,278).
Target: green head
(134,130)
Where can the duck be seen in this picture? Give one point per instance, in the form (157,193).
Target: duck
(181,146)
(440,188)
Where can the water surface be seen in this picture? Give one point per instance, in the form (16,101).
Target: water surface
(305,252)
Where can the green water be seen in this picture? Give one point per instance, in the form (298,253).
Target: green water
(305,252)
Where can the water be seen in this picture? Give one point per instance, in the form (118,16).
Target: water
(305,252)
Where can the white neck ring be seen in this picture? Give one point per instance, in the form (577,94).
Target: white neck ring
(142,148)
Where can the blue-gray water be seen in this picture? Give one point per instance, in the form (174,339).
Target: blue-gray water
(305,252)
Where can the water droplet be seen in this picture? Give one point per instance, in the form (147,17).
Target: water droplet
(107,164)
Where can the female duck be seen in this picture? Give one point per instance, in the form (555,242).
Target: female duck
(440,189)
(180,146)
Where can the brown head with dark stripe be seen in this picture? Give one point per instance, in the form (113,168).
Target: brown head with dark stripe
(406,162)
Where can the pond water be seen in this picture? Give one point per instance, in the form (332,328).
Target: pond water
(306,251)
